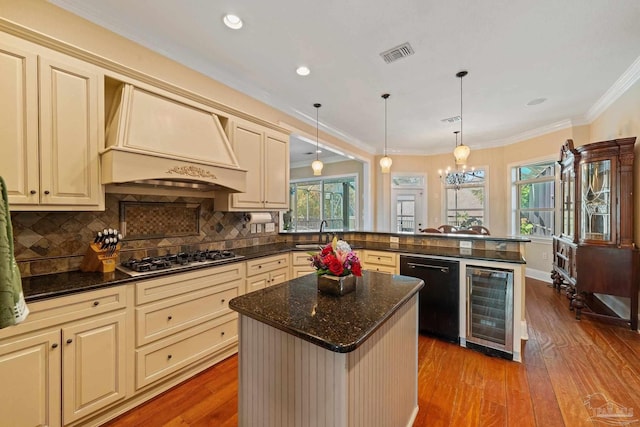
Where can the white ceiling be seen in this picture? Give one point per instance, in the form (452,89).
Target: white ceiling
(570,52)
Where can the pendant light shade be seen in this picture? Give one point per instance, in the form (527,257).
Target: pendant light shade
(385,162)
(461,152)
(317,165)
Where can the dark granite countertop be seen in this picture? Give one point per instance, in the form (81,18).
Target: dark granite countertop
(60,284)
(338,324)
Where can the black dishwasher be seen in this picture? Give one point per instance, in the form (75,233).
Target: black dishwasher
(439,299)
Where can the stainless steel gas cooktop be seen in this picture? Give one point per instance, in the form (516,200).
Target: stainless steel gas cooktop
(171,262)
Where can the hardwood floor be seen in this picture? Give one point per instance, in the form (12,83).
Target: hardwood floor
(565,362)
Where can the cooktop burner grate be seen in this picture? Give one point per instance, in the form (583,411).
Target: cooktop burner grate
(181,260)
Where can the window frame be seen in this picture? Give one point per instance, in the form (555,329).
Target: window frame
(515,184)
(485,187)
(321,180)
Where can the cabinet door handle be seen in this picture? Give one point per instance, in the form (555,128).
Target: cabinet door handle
(433,267)
(96,303)
(54,345)
(69,341)
(33,191)
(46,191)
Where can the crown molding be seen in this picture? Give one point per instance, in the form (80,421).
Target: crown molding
(626,80)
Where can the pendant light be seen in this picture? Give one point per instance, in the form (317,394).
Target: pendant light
(317,164)
(461,152)
(385,162)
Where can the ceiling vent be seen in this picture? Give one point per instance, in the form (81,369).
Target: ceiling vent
(450,120)
(397,52)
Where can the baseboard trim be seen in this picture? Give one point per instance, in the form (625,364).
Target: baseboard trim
(543,276)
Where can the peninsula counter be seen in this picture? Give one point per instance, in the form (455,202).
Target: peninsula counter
(306,358)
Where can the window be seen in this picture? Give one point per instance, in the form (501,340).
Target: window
(333,200)
(465,195)
(534,199)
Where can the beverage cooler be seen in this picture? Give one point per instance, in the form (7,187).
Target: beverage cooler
(490,310)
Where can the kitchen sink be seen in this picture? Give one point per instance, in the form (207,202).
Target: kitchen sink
(309,246)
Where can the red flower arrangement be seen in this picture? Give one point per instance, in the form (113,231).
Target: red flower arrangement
(337,259)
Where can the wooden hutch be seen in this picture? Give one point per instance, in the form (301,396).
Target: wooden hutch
(594,252)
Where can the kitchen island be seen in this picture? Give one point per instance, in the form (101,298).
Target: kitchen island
(312,359)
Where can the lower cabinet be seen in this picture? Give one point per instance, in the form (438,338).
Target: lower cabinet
(72,368)
(386,262)
(300,264)
(267,271)
(184,318)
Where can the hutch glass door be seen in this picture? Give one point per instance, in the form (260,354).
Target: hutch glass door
(596,200)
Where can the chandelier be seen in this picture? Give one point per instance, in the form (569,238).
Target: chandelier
(461,175)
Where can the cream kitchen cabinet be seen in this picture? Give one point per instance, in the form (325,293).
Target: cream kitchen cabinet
(264,153)
(300,264)
(51,128)
(386,262)
(69,369)
(267,271)
(184,318)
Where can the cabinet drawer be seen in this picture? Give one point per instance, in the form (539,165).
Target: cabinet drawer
(176,284)
(263,265)
(64,309)
(380,258)
(166,317)
(302,271)
(164,357)
(301,259)
(381,268)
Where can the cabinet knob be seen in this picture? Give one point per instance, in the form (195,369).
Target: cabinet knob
(96,303)
(222,333)
(169,357)
(259,266)
(46,191)
(69,341)
(169,317)
(279,262)
(33,191)
(54,345)
(222,301)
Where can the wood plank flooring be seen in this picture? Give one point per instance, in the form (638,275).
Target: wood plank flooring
(565,362)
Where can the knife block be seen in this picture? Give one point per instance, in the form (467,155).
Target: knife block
(100,260)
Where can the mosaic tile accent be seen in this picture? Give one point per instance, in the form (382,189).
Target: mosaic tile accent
(149,220)
(54,242)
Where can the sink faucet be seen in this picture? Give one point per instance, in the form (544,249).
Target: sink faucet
(322,225)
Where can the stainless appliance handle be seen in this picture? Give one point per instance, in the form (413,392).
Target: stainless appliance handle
(433,267)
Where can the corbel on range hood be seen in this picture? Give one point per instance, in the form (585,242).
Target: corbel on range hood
(156,141)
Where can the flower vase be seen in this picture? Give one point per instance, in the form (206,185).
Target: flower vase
(336,285)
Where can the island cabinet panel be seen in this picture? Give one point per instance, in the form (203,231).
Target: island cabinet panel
(303,384)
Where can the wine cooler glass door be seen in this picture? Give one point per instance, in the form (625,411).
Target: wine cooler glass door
(490,308)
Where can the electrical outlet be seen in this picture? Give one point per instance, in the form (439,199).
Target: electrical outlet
(394,239)
(253,228)
(258,228)
(270,227)
(545,255)
(465,244)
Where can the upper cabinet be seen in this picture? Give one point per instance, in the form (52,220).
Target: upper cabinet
(50,127)
(264,153)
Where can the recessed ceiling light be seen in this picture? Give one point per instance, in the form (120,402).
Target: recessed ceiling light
(536,101)
(232,21)
(303,71)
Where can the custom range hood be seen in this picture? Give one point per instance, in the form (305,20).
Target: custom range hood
(156,141)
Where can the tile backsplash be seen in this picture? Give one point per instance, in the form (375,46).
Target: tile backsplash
(52,242)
